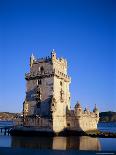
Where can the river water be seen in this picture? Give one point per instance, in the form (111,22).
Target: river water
(62,143)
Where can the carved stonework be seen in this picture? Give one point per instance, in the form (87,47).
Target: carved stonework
(38,94)
(53,104)
(62,95)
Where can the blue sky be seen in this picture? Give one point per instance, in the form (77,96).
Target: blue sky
(82,31)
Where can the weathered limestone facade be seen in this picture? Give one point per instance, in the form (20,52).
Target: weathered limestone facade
(79,120)
(47,102)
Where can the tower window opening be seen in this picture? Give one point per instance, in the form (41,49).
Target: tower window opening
(61,83)
(38,104)
(39,82)
(41,69)
(68,124)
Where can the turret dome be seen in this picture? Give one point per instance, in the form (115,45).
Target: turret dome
(78,105)
(95,109)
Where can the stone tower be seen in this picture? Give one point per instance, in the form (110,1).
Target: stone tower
(47,90)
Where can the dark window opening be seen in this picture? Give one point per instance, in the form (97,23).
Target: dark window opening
(39,82)
(38,104)
(42,69)
(68,124)
(61,83)
(38,94)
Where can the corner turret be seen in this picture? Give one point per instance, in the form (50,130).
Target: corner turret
(32,58)
(87,110)
(53,55)
(96,110)
(25,108)
(78,109)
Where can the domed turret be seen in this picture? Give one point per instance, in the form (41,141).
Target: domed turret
(53,55)
(78,105)
(78,109)
(87,110)
(96,110)
(25,108)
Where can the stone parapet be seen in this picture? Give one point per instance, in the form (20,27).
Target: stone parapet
(57,73)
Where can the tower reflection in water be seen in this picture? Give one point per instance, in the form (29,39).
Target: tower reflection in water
(57,143)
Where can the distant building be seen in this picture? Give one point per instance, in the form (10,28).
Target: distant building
(47,102)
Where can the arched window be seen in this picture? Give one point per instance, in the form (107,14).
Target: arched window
(38,104)
(39,82)
(42,69)
(61,83)
(68,124)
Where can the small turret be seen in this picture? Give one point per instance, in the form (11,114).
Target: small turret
(53,55)
(32,58)
(96,111)
(78,109)
(25,108)
(87,110)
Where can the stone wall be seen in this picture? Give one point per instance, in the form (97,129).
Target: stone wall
(38,122)
(84,122)
(44,84)
(61,94)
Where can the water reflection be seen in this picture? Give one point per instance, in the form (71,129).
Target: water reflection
(57,143)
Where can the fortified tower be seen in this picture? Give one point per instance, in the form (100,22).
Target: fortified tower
(47,90)
(47,102)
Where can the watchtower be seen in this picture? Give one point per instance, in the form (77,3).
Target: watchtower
(47,90)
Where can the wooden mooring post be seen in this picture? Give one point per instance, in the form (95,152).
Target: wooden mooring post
(1,130)
(5,130)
